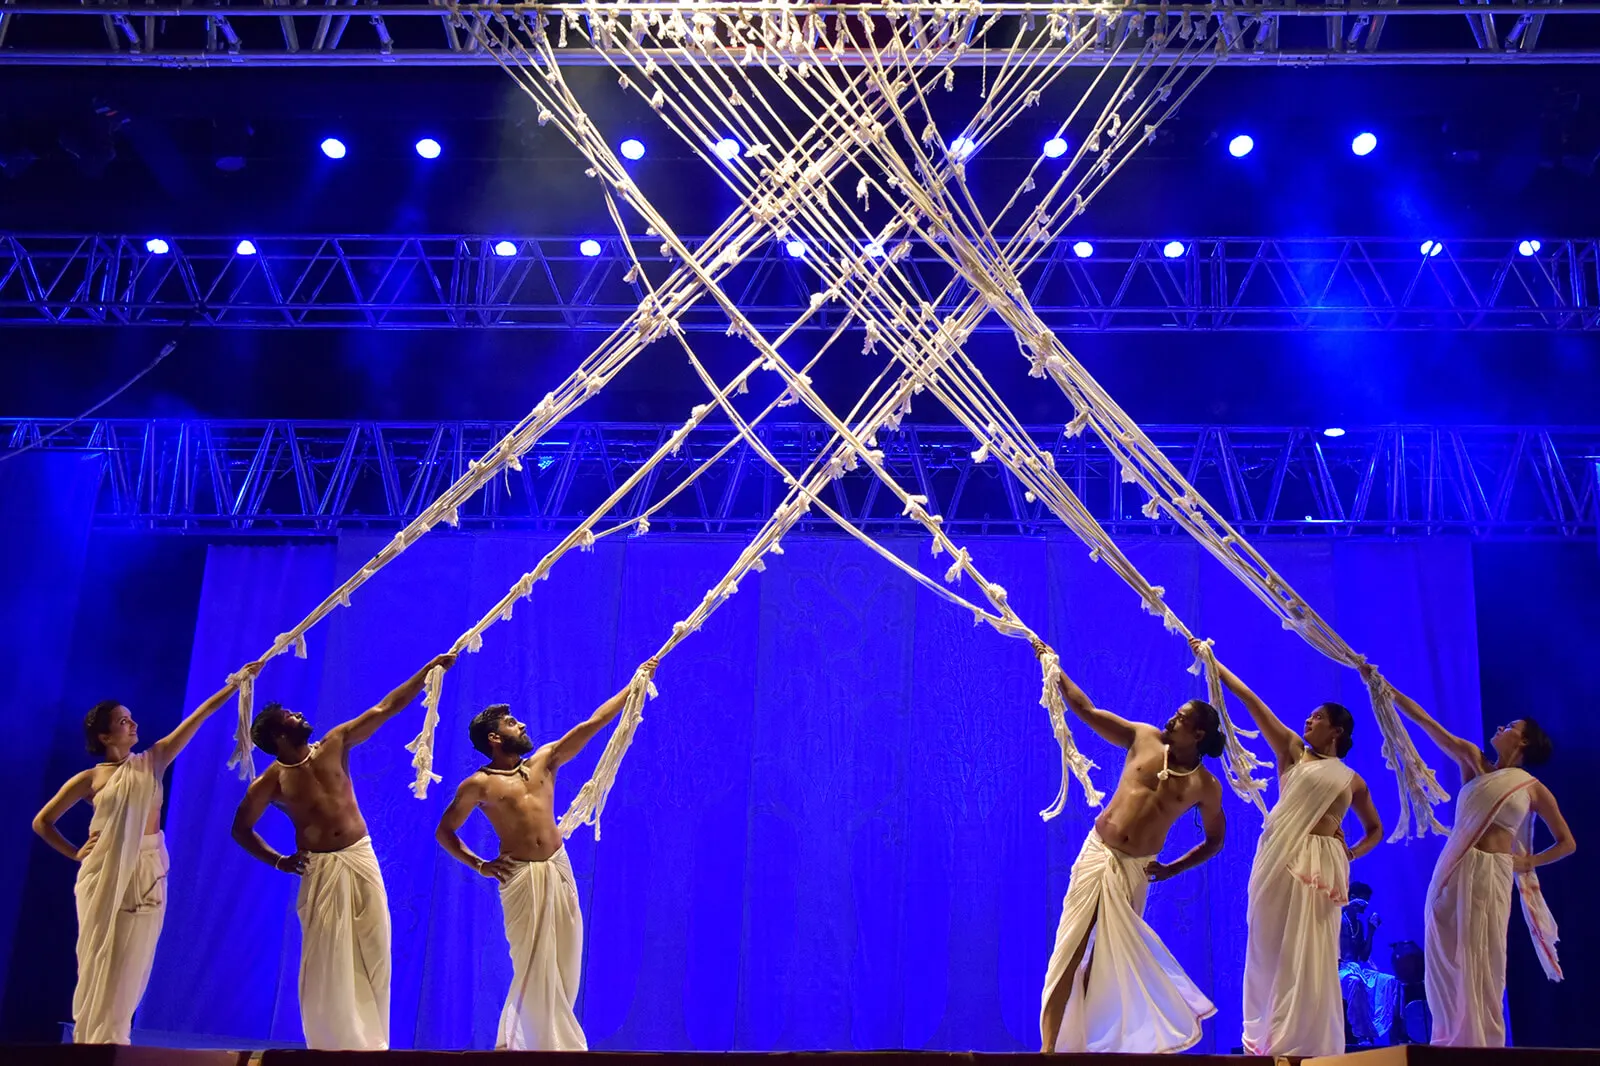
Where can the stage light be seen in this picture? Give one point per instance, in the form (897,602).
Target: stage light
(962,147)
(1241,146)
(727,149)
(1083,249)
(1055,147)
(1431,248)
(1332,431)
(156,246)
(590,247)
(1528,248)
(428,148)
(632,149)
(333,148)
(1173,249)
(245,247)
(1364,143)
(504,249)
(874,250)
(796,248)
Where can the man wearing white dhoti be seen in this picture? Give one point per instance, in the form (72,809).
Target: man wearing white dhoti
(544,925)
(1300,880)
(122,876)
(1112,985)
(1489,851)
(343,910)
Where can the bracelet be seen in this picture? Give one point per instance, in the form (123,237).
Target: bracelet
(479,867)
(277,864)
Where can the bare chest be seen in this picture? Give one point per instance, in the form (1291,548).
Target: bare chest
(515,793)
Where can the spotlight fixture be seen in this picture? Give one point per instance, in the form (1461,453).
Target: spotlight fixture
(504,249)
(797,249)
(727,149)
(962,147)
(632,148)
(1332,431)
(1173,249)
(333,148)
(245,247)
(428,148)
(1431,248)
(1083,249)
(157,246)
(1241,146)
(1364,143)
(1055,147)
(1528,248)
(589,247)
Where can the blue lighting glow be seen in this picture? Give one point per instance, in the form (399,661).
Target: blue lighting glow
(632,149)
(333,148)
(796,248)
(156,246)
(874,250)
(962,147)
(1173,249)
(245,247)
(1332,431)
(727,149)
(428,148)
(1431,248)
(1083,249)
(1241,146)
(1364,143)
(504,249)
(1055,147)
(1528,248)
(589,247)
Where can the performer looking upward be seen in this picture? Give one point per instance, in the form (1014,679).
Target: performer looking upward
(1300,880)
(344,912)
(544,926)
(1112,985)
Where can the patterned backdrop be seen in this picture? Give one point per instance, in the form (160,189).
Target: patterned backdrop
(826,835)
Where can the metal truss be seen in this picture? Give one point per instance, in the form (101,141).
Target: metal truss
(315,478)
(546,283)
(429,32)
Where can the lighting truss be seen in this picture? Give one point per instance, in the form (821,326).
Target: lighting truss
(453,282)
(280,478)
(342,33)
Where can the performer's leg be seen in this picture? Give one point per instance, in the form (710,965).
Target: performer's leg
(1055,1007)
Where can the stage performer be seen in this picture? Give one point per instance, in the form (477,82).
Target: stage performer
(343,909)
(1300,882)
(1489,850)
(122,873)
(1112,985)
(544,926)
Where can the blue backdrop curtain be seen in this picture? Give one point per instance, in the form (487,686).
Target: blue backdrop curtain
(826,834)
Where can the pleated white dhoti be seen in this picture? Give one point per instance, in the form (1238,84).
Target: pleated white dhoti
(114,962)
(1137,999)
(344,951)
(544,930)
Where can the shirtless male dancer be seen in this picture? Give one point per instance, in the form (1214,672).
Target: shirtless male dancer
(344,912)
(544,926)
(1144,1002)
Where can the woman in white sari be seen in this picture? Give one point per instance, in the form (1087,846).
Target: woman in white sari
(1490,851)
(1300,881)
(122,873)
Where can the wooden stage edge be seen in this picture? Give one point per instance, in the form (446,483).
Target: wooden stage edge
(71,1055)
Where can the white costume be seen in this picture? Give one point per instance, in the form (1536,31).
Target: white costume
(1138,998)
(344,950)
(1469,909)
(122,901)
(1298,883)
(544,929)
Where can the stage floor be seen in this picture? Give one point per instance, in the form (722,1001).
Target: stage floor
(70,1055)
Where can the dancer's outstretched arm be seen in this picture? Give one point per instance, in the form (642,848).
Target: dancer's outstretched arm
(1285,743)
(1113,728)
(1465,753)
(569,745)
(361,728)
(167,748)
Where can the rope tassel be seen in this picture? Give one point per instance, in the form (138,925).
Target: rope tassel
(1073,762)
(243,746)
(422,747)
(590,802)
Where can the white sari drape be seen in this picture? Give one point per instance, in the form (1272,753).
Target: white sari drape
(122,901)
(344,951)
(544,929)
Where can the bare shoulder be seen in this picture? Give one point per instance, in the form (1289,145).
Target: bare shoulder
(1145,735)
(543,760)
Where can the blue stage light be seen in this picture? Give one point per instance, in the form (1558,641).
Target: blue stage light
(245,247)
(156,246)
(1528,248)
(1055,147)
(962,147)
(428,148)
(1173,249)
(333,148)
(1364,143)
(1083,249)
(504,249)
(1241,146)
(727,149)
(632,149)
(589,247)
(1332,431)
(1431,248)
(796,248)
(874,250)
